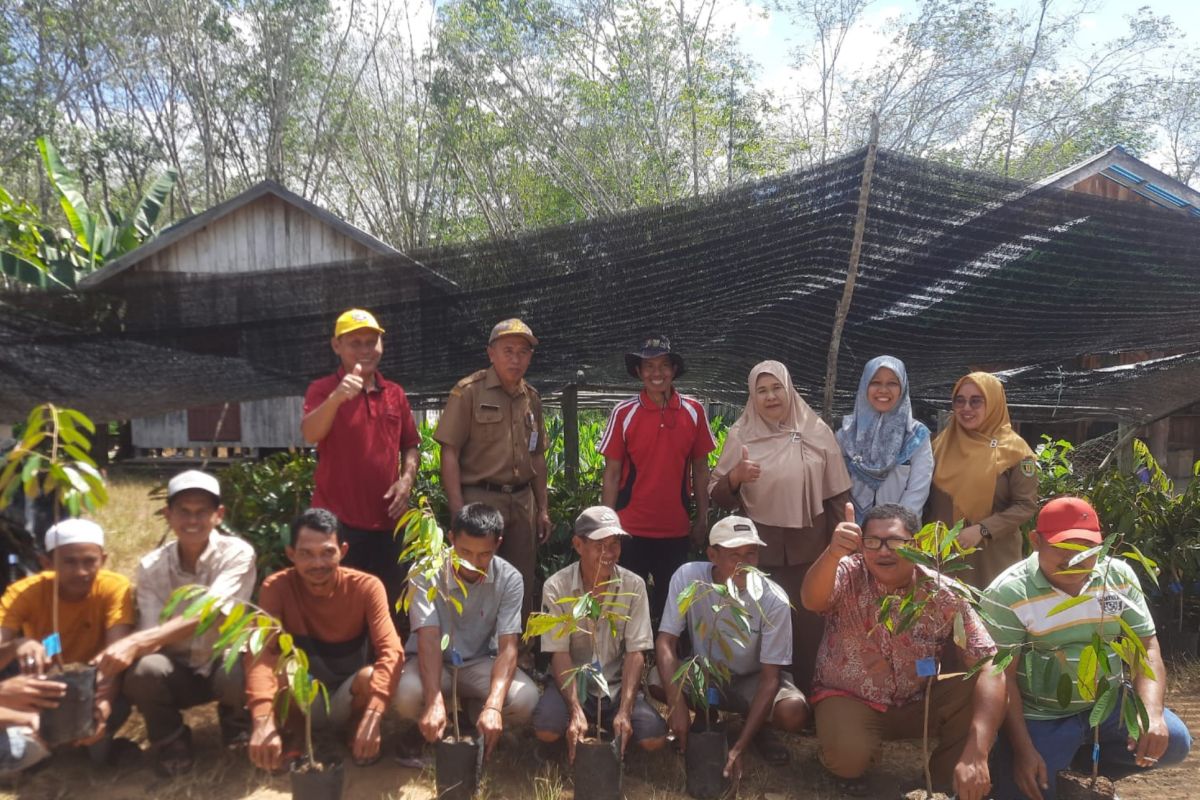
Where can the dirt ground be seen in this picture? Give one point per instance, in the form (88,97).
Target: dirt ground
(513,773)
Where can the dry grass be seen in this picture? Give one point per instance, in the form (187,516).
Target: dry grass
(131,520)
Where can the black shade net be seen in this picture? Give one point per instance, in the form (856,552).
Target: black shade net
(959,271)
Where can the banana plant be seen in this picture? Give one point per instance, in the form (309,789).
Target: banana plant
(35,253)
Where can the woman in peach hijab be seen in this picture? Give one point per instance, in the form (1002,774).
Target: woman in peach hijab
(782,467)
(984,474)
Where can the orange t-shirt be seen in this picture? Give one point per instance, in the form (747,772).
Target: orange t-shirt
(27,608)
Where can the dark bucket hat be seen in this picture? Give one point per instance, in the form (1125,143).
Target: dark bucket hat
(654,346)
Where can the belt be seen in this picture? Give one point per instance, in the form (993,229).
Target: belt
(503,488)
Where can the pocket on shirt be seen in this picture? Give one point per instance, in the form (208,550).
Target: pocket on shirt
(489,420)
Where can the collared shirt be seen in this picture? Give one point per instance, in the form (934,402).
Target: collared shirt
(27,608)
(1017,606)
(860,658)
(770,619)
(359,459)
(655,446)
(496,433)
(226,566)
(491,608)
(354,619)
(633,635)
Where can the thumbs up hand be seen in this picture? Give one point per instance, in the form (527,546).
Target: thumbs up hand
(847,536)
(745,471)
(351,385)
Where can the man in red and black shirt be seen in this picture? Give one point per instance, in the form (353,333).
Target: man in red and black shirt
(366,450)
(656,448)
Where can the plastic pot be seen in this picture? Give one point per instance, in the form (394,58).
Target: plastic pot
(74,718)
(705,758)
(457,763)
(598,770)
(325,781)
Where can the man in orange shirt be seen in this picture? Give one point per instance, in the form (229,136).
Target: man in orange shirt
(95,609)
(341,619)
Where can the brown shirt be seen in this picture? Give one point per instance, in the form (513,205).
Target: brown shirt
(788,546)
(1014,504)
(357,606)
(497,434)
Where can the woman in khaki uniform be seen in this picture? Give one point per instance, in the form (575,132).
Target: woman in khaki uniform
(782,467)
(984,474)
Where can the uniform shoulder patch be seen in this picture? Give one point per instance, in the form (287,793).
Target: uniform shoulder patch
(474,377)
(1028,467)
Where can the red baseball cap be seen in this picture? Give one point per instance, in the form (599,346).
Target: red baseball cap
(1066,518)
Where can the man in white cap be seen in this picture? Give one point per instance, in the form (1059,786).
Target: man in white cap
(620,650)
(169,668)
(759,688)
(95,609)
(494,447)
(367,450)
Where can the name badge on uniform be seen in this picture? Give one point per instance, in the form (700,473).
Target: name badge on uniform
(533,431)
(796,437)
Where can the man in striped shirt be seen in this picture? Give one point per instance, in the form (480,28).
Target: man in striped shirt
(1041,735)
(656,448)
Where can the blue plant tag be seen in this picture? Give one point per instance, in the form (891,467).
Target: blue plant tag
(456,657)
(714,697)
(1095,753)
(596,666)
(926,667)
(52,644)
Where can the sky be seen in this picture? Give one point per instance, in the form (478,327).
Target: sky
(771,38)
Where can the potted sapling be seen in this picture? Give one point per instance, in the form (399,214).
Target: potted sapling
(937,548)
(598,768)
(433,570)
(52,459)
(244,627)
(702,677)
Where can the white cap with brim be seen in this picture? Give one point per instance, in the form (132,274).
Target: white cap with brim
(74,531)
(194,479)
(734,532)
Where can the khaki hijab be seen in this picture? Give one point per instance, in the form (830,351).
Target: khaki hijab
(801,462)
(967,463)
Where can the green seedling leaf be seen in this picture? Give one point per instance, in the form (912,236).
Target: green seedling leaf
(1070,602)
(1066,690)
(1105,703)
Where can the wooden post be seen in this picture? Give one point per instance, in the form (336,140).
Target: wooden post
(860,224)
(570,412)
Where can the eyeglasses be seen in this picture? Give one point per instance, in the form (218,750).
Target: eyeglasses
(876,543)
(976,401)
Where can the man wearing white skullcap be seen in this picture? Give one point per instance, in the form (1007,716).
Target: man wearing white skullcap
(95,608)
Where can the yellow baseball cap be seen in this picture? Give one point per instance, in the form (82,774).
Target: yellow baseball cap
(513,327)
(353,320)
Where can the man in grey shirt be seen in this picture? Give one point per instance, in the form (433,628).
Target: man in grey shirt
(482,639)
(760,687)
(620,650)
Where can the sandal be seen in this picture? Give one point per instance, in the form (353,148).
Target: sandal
(771,748)
(174,757)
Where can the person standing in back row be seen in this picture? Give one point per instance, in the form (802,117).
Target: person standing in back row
(494,448)
(656,448)
(366,451)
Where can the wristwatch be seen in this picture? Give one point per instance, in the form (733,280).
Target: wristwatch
(984,533)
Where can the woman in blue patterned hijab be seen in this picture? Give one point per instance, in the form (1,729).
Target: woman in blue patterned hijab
(887,452)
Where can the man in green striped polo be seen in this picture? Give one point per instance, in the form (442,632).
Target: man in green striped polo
(1041,736)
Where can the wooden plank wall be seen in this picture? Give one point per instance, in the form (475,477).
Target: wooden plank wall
(274,422)
(265,234)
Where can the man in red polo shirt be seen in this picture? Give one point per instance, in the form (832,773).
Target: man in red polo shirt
(366,450)
(656,448)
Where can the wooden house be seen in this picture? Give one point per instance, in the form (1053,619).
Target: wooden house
(1118,175)
(266,228)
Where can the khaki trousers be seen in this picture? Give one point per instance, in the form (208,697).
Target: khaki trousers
(849,731)
(519,547)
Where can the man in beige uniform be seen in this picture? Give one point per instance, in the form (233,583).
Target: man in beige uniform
(494,447)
